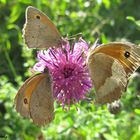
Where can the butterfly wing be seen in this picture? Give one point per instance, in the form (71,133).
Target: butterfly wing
(34,99)
(108,76)
(127,54)
(39,31)
(23,96)
(110,66)
(41,104)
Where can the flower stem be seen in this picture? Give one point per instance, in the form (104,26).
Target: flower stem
(10,64)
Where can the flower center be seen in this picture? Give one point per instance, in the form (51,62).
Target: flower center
(67,72)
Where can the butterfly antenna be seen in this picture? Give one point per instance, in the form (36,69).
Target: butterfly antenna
(95,44)
(74,36)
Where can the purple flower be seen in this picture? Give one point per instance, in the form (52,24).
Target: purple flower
(68,70)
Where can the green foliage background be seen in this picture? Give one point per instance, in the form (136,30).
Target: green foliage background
(110,20)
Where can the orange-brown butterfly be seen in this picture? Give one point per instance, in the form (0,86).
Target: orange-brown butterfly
(34,99)
(110,66)
(39,31)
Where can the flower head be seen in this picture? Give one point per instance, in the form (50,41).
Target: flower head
(69,73)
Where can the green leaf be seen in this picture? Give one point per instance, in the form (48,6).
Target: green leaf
(137,111)
(130,18)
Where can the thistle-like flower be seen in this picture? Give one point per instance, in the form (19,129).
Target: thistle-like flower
(68,70)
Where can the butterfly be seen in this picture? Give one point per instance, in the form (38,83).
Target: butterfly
(110,66)
(39,31)
(34,99)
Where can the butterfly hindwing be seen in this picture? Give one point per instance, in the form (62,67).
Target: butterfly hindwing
(108,76)
(41,104)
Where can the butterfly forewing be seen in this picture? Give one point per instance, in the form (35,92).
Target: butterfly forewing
(39,31)
(22,98)
(127,54)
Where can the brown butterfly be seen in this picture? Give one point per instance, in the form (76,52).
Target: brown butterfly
(110,66)
(34,99)
(39,31)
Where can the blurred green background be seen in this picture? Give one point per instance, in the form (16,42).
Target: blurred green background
(110,20)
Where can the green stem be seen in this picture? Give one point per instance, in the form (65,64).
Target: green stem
(10,64)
